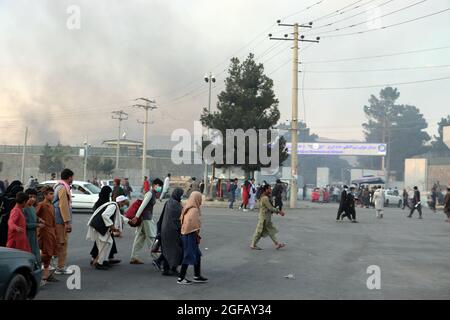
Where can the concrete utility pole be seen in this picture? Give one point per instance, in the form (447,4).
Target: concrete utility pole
(149,105)
(22,172)
(86,148)
(208,79)
(294,118)
(121,116)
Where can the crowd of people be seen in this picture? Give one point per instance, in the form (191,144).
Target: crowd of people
(43,228)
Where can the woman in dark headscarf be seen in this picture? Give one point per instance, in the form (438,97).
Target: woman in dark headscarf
(170,228)
(7,202)
(104,197)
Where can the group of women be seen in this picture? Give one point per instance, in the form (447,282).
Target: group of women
(178,232)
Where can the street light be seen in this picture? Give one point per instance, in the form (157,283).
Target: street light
(209,78)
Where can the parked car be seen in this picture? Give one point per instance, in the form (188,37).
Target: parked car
(107,183)
(84,194)
(20,275)
(390,199)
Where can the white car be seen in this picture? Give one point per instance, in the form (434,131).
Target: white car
(390,199)
(84,194)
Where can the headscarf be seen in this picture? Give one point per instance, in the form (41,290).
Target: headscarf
(177,194)
(14,188)
(103,196)
(190,216)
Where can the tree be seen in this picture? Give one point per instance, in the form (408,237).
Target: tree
(46,160)
(94,164)
(438,147)
(400,126)
(248,102)
(53,158)
(107,166)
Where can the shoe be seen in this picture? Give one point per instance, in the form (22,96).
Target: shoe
(43,283)
(114,261)
(255,248)
(280,245)
(420,217)
(409,216)
(64,271)
(184,281)
(354,221)
(200,279)
(245,210)
(136,261)
(156,265)
(99,266)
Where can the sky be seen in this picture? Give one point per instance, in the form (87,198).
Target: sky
(63,82)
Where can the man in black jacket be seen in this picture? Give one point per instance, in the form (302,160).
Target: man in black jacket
(342,204)
(277,193)
(416,204)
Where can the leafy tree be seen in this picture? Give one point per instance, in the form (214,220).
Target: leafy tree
(107,166)
(94,164)
(248,102)
(46,160)
(438,147)
(53,158)
(400,126)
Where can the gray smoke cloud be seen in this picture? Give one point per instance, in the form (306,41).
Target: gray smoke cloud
(63,84)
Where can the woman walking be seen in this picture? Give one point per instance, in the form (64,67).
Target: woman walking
(169,226)
(190,237)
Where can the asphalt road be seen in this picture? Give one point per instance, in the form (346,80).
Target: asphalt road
(328,260)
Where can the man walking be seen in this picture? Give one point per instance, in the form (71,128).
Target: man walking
(233,189)
(165,188)
(62,202)
(416,204)
(146,232)
(145,185)
(277,193)
(103,222)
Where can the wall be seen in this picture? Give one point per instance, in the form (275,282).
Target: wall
(129,167)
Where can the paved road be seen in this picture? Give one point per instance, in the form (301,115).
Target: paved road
(328,259)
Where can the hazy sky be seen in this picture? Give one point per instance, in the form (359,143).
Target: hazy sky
(63,83)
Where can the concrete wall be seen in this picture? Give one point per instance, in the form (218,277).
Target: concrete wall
(129,167)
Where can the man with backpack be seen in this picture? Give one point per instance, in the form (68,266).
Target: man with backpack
(146,230)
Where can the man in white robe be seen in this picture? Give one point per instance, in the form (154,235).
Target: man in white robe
(106,219)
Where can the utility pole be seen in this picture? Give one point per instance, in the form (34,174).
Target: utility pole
(294,118)
(22,172)
(121,116)
(208,79)
(149,105)
(86,148)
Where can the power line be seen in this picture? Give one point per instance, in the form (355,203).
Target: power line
(374,19)
(378,85)
(387,26)
(376,56)
(355,15)
(379,70)
(336,12)
(303,10)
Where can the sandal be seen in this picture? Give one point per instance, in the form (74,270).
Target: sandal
(280,245)
(255,248)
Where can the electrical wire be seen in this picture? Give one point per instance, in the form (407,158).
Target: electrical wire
(377,85)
